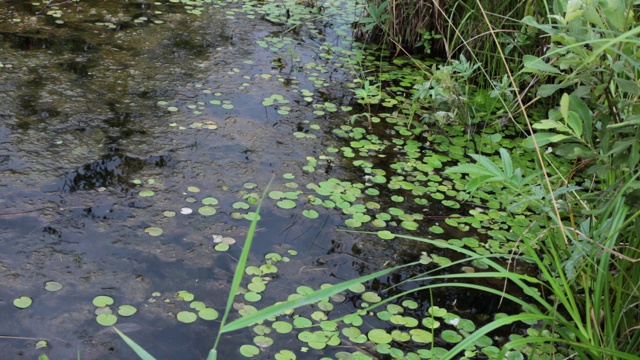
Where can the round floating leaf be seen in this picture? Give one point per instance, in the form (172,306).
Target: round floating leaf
(385,234)
(249,350)
(358,288)
(282,327)
(22,302)
(186,317)
(436,229)
(193,189)
(371,297)
(197,305)
(126,310)
(240,205)
(186,211)
(311,214)
(52,286)
(106,319)
(208,314)
(207,210)
(263,341)
(285,355)
(286,204)
(102,300)
(276,195)
(302,322)
(379,336)
(146,193)
(421,336)
(210,201)
(451,336)
(250,185)
(169,213)
(252,296)
(154,231)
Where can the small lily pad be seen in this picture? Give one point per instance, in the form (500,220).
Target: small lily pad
(106,319)
(126,310)
(193,189)
(52,286)
(154,231)
(22,302)
(102,300)
(249,350)
(210,201)
(186,317)
(311,214)
(207,210)
(286,204)
(208,314)
(146,193)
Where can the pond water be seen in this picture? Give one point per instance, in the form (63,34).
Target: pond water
(120,117)
(83,116)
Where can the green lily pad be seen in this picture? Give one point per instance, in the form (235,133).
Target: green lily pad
(282,327)
(379,336)
(186,317)
(210,201)
(208,314)
(102,300)
(126,310)
(106,319)
(207,210)
(52,286)
(146,193)
(240,205)
(193,189)
(286,204)
(249,350)
(154,231)
(311,214)
(22,302)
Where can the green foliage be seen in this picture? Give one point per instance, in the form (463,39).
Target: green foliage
(592,66)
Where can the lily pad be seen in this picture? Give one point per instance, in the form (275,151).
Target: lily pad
(102,300)
(186,317)
(52,286)
(146,193)
(208,314)
(249,350)
(286,204)
(106,319)
(22,302)
(207,210)
(126,310)
(154,231)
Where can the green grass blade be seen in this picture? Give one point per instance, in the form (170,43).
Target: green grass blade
(242,264)
(142,353)
(315,296)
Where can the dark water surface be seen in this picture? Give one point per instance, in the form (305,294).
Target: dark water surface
(80,121)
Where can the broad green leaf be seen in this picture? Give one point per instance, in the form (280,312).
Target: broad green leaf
(575,123)
(536,65)
(544,138)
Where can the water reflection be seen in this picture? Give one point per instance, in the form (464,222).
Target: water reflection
(80,121)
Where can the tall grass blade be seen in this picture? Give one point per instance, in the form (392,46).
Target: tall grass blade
(142,353)
(313,297)
(242,264)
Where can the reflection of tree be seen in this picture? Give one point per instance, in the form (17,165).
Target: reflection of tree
(111,170)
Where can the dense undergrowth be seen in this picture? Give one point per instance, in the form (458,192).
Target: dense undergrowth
(579,102)
(548,147)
